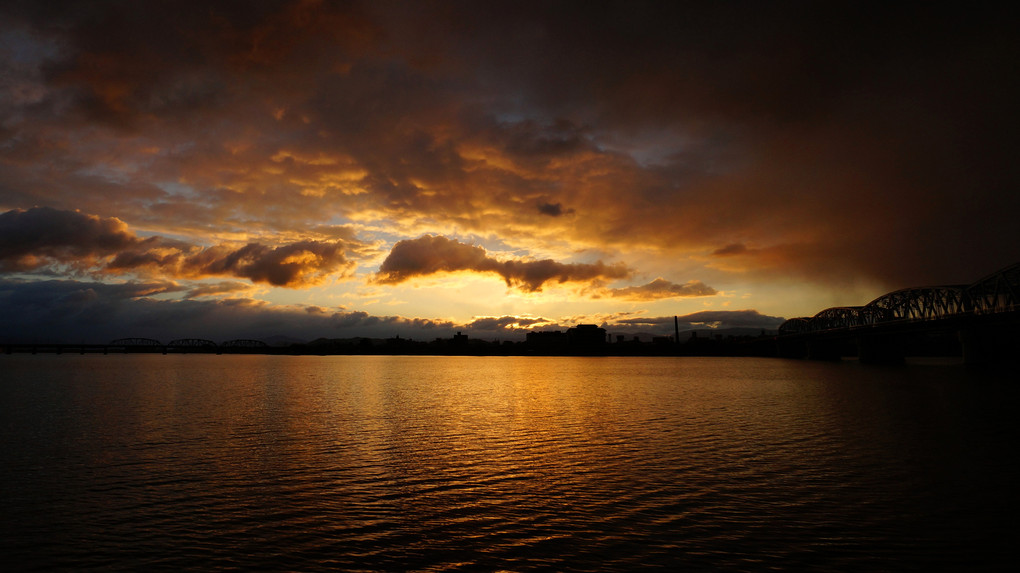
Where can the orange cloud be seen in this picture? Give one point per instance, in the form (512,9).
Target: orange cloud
(220,288)
(430,254)
(297,264)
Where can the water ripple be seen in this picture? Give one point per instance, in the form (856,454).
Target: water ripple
(448,464)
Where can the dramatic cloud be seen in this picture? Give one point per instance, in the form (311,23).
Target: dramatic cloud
(30,239)
(42,236)
(298,264)
(661,288)
(795,151)
(429,255)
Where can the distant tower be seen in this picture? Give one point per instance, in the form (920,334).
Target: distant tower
(676,328)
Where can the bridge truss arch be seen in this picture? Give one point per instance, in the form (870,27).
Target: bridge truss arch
(998,292)
(192,343)
(244,343)
(847,317)
(797,325)
(147,342)
(923,303)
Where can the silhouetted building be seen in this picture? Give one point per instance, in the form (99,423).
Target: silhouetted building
(586,335)
(460,338)
(546,338)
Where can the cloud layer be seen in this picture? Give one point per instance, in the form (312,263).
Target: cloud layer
(95,312)
(41,237)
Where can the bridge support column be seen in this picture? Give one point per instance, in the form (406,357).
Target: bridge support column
(792,347)
(880,349)
(825,349)
(989,345)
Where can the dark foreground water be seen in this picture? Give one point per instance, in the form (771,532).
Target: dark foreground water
(447,463)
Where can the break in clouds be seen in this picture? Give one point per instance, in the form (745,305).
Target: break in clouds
(70,310)
(46,242)
(45,239)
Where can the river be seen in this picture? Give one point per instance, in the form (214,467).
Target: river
(305,463)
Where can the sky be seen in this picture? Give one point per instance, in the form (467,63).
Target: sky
(312,169)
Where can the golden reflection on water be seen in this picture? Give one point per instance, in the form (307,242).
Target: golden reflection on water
(386,462)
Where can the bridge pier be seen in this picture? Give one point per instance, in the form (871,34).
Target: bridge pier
(880,349)
(792,347)
(825,349)
(989,345)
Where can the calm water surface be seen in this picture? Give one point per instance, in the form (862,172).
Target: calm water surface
(464,463)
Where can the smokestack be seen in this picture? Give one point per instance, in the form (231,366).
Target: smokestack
(676,328)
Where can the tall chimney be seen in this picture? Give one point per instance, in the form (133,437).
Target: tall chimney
(676,328)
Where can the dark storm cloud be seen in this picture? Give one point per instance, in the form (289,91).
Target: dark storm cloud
(41,237)
(127,62)
(429,255)
(862,137)
(60,310)
(829,139)
(29,238)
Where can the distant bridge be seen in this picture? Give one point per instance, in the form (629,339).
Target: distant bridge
(244,343)
(983,316)
(142,345)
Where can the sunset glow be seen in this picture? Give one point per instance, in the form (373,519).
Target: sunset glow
(310,169)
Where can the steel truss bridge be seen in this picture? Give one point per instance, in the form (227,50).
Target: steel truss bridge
(984,316)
